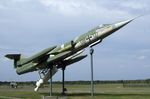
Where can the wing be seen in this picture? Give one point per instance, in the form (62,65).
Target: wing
(59,57)
(37,57)
(74,59)
(66,57)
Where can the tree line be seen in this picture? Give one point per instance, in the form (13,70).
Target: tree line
(125,83)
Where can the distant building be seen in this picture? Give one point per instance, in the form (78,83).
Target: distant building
(13,85)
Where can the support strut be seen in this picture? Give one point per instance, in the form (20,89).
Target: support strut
(92,86)
(63,80)
(51,87)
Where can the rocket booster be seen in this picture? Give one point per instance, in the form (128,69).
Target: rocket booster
(45,78)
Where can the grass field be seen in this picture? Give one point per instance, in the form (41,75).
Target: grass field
(102,91)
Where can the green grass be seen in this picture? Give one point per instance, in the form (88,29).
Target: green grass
(102,91)
(23,93)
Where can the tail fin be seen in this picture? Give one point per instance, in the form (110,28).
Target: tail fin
(15,57)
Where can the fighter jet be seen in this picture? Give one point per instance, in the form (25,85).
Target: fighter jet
(48,61)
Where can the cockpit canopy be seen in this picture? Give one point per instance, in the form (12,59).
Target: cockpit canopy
(104,25)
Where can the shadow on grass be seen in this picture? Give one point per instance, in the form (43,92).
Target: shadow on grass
(53,94)
(98,94)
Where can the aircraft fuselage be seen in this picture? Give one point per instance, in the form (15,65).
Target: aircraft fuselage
(72,47)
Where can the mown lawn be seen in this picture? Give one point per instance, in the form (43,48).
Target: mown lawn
(103,91)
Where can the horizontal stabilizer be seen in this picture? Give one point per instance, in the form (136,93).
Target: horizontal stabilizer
(13,56)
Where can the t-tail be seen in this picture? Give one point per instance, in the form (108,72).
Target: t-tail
(15,57)
(30,64)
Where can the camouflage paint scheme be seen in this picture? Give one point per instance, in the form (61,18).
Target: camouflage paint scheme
(66,54)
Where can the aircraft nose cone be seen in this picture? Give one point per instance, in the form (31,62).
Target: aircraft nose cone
(122,23)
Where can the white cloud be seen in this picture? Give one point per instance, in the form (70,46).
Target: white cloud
(4,4)
(82,7)
(137,5)
(70,7)
(141,57)
(2,7)
(145,51)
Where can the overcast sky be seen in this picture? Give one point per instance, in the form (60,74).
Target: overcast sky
(28,26)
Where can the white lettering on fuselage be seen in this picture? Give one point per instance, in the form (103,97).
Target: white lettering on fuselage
(92,37)
(88,38)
